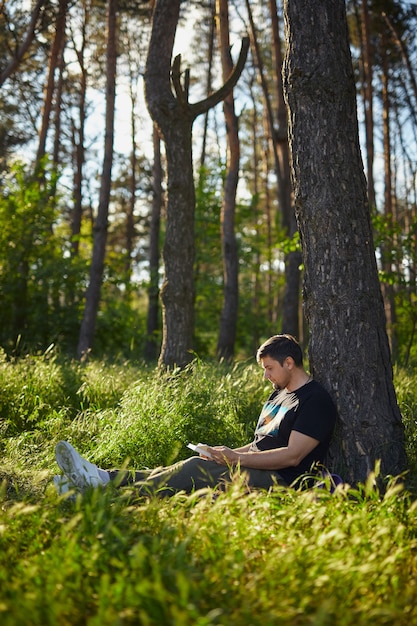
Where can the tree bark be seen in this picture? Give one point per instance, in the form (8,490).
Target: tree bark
(56,151)
(209,78)
(174,117)
(101,224)
(349,351)
(130,211)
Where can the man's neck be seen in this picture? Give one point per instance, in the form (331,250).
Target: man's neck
(299,378)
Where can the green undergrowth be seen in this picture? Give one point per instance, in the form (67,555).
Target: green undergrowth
(239,559)
(236,558)
(121,414)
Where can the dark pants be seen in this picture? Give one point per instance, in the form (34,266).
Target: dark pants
(192,474)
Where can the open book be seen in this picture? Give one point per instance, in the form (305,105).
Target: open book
(200,448)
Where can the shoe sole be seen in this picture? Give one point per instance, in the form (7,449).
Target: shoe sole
(71,464)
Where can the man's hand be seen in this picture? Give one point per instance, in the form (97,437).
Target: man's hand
(224,455)
(299,445)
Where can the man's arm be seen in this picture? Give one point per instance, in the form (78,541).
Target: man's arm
(243,448)
(299,445)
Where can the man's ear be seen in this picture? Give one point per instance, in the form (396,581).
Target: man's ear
(289,363)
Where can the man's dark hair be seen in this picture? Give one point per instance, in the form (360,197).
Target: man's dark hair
(279,347)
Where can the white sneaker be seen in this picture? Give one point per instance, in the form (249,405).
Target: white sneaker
(64,486)
(77,470)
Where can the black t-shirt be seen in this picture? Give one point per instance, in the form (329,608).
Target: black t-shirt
(308,410)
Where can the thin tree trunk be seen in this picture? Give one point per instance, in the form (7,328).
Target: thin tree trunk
(101,224)
(152,324)
(388,289)
(255,209)
(368,100)
(174,116)
(279,138)
(290,309)
(54,61)
(228,320)
(58,106)
(209,79)
(79,150)
(404,54)
(269,216)
(130,214)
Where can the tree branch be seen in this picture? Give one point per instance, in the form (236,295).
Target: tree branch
(182,94)
(30,35)
(204,105)
(404,52)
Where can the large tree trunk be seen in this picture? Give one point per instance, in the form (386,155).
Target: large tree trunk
(175,125)
(174,117)
(101,224)
(349,351)
(177,290)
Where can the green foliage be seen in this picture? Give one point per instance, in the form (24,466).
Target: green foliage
(406,389)
(162,412)
(290,558)
(289,244)
(261,279)
(38,280)
(398,247)
(120,326)
(40,391)
(208,262)
(42,284)
(125,412)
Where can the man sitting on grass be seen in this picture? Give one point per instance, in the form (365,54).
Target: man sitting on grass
(291,438)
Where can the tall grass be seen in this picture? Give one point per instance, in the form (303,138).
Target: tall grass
(406,389)
(282,558)
(236,559)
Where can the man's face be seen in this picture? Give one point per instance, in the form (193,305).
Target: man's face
(278,374)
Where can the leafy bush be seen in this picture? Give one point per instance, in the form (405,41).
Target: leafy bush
(34,387)
(162,412)
(406,389)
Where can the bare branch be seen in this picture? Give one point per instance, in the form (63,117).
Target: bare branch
(404,53)
(30,35)
(204,105)
(182,96)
